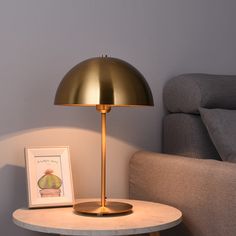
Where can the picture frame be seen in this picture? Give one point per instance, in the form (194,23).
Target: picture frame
(49,177)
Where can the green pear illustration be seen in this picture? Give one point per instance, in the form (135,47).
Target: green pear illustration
(49,181)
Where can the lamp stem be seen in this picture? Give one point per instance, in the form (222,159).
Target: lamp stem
(109,207)
(103,109)
(103,161)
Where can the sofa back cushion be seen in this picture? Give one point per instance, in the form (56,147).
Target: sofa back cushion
(187,92)
(186,135)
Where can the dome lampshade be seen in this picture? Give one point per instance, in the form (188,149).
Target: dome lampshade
(103,81)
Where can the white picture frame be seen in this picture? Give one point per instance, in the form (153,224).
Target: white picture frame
(49,177)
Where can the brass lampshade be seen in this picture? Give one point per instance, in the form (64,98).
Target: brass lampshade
(103,82)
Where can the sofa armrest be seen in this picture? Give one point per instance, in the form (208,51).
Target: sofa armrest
(204,190)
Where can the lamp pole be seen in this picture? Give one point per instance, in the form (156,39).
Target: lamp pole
(103,207)
(103,109)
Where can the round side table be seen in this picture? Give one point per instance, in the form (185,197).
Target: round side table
(146,217)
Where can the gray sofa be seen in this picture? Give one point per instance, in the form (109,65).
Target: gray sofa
(191,175)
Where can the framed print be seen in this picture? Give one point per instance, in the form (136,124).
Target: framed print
(49,176)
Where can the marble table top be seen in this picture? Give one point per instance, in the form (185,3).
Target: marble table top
(146,217)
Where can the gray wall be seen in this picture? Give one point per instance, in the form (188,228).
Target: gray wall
(41,40)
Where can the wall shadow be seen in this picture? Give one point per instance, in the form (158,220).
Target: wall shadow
(131,125)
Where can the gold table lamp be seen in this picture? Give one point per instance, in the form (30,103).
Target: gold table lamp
(103,82)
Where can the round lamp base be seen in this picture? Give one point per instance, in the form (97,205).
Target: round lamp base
(95,208)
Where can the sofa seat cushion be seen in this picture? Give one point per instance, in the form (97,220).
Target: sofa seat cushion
(221,126)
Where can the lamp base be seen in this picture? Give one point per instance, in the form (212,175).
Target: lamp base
(95,208)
